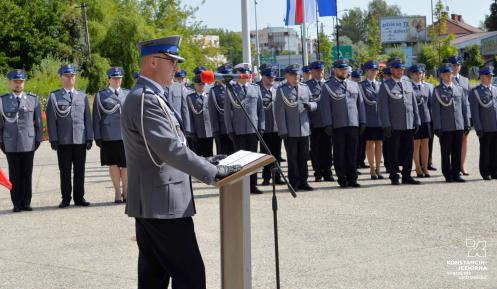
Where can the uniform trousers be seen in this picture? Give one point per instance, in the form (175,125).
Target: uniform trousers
(321,154)
(20,175)
(224,145)
(345,142)
(273,142)
(168,249)
(297,150)
(400,147)
(450,150)
(488,154)
(203,146)
(70,156)
(247,142)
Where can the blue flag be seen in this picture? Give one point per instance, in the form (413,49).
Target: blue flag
(327,7)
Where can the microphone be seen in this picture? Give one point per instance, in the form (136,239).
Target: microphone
(209,76)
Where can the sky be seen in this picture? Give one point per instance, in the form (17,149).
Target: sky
(226,13)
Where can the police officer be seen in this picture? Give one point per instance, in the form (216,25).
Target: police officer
(70,133)
(344,117)
(238,126)
(107,131)
(423,93)
(321,155)
(21,131)
(399,118)
(176,92)
(450,122)
(373,134)
(180,77)
(270,136)
(356,75)
(217,96)
(387,74)
(483,102)
(292,106)
(458,79)
(306,73)
(200,120)
(160,165)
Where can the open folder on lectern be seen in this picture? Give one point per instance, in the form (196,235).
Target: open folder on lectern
(241,158)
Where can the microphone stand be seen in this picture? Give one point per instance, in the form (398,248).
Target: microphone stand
(274,170)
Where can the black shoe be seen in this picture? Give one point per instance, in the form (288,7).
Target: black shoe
(427,175)
(265,182)
(449,180)
(354,185)
(318,179)
(494,177)
(118,201)
(27,208)
(465,174)
(306,187)
(256,191)
(410,181)
(64,204)
(421,175)
(329,179)
(459,180)
(358,173)
(380,177)
(343,184)
(431,168)
(374,177)
(487,178)
(279,182)
(82,203)
(16,209)
(395,182)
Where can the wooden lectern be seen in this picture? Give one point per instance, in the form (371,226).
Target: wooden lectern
(236,265)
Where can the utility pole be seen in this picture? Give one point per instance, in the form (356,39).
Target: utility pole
(85,27)
(258,51)
(318,54)
(247,58)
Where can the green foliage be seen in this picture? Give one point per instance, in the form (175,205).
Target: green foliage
(230,44)
(374,41)
(396,51)
(95,70)
(491,20)
(474,57)
(325,47)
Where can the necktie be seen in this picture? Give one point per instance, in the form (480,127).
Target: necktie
(244,90)
(457,79)
(70,95)
(18,100)
(116,92)
(373,85)
(400,85)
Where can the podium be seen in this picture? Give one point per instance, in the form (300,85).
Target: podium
(234,201)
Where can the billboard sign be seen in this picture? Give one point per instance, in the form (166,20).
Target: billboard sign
(402,29)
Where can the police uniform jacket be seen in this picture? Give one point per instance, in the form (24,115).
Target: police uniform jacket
(268,96)
(423,93)
(370,98)
(68,120)
(107,114)
(200,120)
(176,95)
(397,105)
(217,95)
(20,122)
(291,117)
(483,103)
(234,118)
(463,82)
(159,161)
(342,104)
(449,108)
(316,116)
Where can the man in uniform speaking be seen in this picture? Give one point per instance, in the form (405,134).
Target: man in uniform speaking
(160,166)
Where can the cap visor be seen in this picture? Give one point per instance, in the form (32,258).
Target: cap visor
(177,57)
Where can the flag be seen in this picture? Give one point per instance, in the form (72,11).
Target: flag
(4,181)
(327,7)
(295,10)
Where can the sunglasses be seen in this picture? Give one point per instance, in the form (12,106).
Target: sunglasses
(174,61)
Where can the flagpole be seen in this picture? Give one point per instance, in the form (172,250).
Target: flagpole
(317,32)
(247,57)
(304,34)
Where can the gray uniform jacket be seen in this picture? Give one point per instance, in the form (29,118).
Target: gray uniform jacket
(176,95)
(342,104)
(370,97)
(423,93)
(20,122)
(291,117)
(68,120)
(156,138)
(107,114)
(483,103)
(234,118)
(466,86)
(217,95)
(316,116)
(268,97)
(449,108)
(200,120)
(397,106)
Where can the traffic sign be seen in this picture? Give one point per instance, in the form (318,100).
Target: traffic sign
(345,52)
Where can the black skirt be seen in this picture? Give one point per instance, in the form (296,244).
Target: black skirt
(424,131)
(373,133)
(112,153)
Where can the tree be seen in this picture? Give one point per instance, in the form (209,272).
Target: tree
(230,44)
(491,20)
(397,52)
(353,25)
(472,58)
(325,47)
(374,40)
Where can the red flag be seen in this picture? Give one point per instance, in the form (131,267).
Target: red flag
(4,181)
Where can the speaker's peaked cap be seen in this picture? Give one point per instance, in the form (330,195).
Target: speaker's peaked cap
(166,45)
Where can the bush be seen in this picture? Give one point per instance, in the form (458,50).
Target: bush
(95,70)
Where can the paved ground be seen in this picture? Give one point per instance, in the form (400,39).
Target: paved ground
(379,236)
